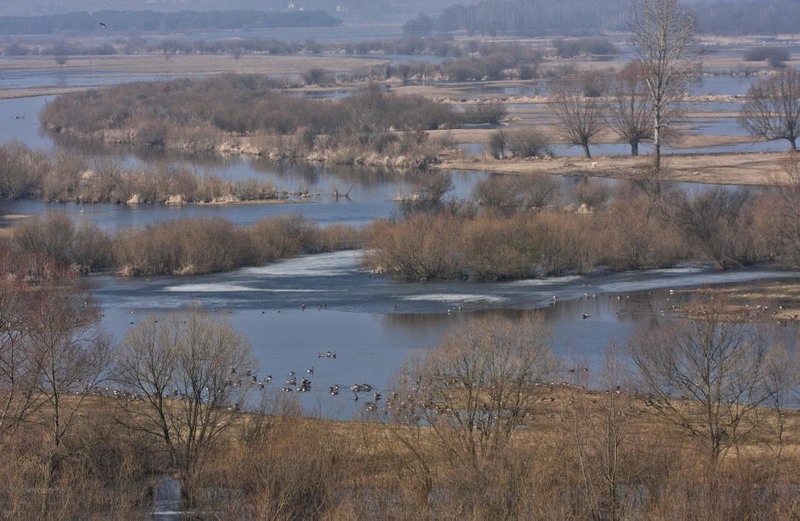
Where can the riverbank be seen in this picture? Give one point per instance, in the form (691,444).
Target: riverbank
(755,169)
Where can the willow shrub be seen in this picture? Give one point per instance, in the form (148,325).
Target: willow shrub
(182,247)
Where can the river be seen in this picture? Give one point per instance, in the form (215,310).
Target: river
(293,310)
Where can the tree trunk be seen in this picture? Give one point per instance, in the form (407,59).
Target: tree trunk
(793,143)
(634,147)
(586,153)
(657,139)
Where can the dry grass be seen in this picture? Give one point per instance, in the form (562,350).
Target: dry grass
(756,169)
(777,301)
(175,65)
(190,64)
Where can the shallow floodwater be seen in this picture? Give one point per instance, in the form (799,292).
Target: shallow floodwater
(294,310)
(21,115)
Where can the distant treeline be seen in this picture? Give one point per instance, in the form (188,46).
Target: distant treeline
(591,17)
(151,21)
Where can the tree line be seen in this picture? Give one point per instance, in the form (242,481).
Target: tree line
(152,21)
(587,104)
(589,17)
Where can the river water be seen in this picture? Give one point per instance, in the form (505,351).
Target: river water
(293,311)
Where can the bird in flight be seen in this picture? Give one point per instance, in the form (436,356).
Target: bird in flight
(102,24)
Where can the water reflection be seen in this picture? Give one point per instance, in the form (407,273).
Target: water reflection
(293,310)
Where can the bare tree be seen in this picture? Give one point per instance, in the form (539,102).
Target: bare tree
(705,376)
(664,43)
(715,222)
(581,117)
(368,110)
(498,144)
(69,355)
(781,379)
(23,170)
(194,374)
(630,112)
(430,188)
(474,391)
(61,55)
(772,109)
(598,428)
(17,371)
(788,208)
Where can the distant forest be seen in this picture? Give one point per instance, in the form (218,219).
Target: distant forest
(591,17)
(151,21)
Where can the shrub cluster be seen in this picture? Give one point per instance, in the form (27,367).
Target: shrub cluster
(69,176)
(205,245)
(232,103)
(196,115)
(527,227)
(494,62)
(23,170)
(775,56)
(570,48)
(181,247)
(519,143)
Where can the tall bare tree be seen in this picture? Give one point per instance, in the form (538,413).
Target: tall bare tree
(17,371)
(665,46)
(788,208)
(772,109)
(70,352)
(630,112)
(581,117)
(67,354)
(598,434)
(194,374)
(705,376)
(474,391)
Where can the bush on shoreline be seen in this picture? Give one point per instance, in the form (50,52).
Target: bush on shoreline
(519,228)
(621,229)
(69,176)
(190,246)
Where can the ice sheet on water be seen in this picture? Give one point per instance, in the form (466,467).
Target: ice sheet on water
(320,265)
(222,287)
(679,270)
(211,287)
(547,281)
(692,279)
(455,298)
